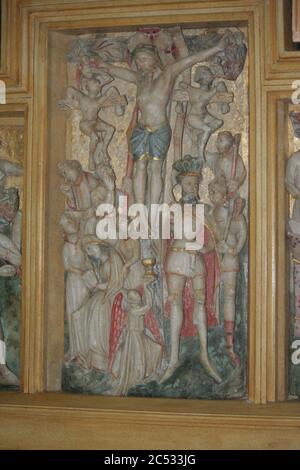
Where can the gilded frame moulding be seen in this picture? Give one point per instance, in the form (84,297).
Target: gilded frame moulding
(40,110)
(280,64)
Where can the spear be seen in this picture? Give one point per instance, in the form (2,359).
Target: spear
(237,140)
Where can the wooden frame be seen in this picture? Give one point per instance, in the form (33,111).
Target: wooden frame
(280,64)
(296,17)
(101,422)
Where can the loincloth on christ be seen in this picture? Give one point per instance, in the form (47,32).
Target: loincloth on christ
(145,143)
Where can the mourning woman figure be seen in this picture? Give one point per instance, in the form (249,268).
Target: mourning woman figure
(90,325)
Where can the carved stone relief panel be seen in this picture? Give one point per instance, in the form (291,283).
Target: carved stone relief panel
(293,240)
(11,201)
(156,116)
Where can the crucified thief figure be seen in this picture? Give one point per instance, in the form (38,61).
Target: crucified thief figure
(150,139)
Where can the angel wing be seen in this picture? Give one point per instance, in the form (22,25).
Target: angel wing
(118,320)
(151,324)
(222,98)
(112,97)
(8,270)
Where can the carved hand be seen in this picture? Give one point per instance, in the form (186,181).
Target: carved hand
(223,247)
(124,270)
(225,39)
(101,285)
(65,189)
(65,105)
(8,271)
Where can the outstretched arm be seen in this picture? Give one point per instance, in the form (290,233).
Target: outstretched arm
(120,72)
(185,86)
(112,97)
(178,67)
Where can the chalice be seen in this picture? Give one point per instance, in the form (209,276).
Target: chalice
(149,264)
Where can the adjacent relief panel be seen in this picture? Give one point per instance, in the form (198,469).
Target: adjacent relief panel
(293,239)
(151,116)
(11,200)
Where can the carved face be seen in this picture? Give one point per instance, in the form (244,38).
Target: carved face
(145,61)
(93,250)
(69,225)
(70,174)
(190,186)
(134,298)
(215,195)
(224,142)
(85,60)
(94,86)
(203,75)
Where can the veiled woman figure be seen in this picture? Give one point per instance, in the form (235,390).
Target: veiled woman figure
(90,325)
(130,252)
(75,264)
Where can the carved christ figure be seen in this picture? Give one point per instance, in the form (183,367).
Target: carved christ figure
(150,139)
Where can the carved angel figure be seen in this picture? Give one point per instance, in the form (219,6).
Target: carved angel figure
(99,131)
(88,70)
(134,355)
(200,120)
